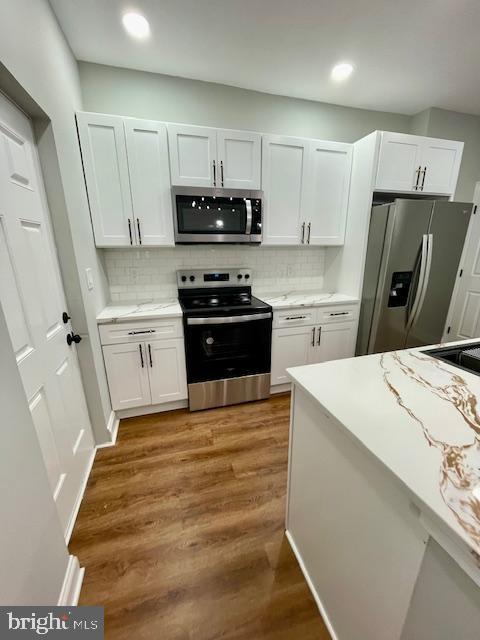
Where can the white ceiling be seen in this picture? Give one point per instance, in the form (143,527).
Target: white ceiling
(409,54)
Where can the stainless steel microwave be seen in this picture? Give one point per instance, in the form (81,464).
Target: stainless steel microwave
(214,215)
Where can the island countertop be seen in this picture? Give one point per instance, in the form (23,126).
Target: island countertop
(419,417)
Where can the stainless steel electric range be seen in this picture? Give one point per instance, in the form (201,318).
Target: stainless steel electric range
(228,337)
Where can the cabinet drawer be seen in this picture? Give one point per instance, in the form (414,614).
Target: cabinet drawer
(121,332)
(294,317)
(340,313)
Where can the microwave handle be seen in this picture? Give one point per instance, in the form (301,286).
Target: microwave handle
(248,229)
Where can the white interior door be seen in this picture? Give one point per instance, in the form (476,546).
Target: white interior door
(193,156)
(33,300)
(284,176)
(167,371)
(147,151)
(239,156)
(465,313)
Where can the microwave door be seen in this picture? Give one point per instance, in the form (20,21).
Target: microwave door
(212,219)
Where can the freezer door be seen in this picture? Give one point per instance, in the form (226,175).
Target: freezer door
(401,273)
(448,228)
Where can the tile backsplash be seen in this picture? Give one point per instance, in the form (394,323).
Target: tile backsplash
(140,275)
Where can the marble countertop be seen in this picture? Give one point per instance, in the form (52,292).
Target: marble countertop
(306,299)
(145,311)
(420,418)
(171,308)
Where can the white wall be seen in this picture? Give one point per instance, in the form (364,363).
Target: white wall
(149,274)
(34,51)
(33,555)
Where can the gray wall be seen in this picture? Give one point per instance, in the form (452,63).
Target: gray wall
(37,66)
(159,97)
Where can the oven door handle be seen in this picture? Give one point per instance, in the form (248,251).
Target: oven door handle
(248,228)
(230,319)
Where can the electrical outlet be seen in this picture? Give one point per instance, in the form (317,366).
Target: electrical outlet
(89,276)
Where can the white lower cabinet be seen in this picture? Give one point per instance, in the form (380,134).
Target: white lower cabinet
(143,368)
(320,340)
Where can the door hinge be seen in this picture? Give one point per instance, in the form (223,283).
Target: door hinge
(448,330)
(461,273)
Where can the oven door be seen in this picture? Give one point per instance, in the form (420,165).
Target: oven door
(228,347)
(212,219)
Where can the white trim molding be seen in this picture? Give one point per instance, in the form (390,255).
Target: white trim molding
(72,583)
(112,426)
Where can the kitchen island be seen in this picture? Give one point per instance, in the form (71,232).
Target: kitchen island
(383,506)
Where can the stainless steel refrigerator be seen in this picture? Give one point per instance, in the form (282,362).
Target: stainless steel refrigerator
(413,255)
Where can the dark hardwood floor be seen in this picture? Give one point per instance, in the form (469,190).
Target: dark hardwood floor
(181,529)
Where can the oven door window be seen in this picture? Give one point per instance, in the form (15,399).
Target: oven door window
(232,350)
(211,215)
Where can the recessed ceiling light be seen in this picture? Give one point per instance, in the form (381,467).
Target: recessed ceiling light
(342,71)
(136,25)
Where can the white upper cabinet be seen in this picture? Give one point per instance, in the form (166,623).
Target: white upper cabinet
(105,165)
(284,182)
(239,157)
(147,151)
(193,156)
(414,164)
(128,180)
(330,166)
(205,157)
(441,165)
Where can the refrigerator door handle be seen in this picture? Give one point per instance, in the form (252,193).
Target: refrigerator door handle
(420,293)
(425,279)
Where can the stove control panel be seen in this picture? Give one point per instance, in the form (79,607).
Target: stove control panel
(197,278)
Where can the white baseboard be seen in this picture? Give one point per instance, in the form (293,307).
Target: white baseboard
(72,583)
(112,426)
(154,408)
(281,388)
(79,499)
(311,586)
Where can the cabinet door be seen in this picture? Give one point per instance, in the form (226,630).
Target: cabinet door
(333,342)
(102,141)
(127,375)
(147,151)
(284,174)
(239,156)
(330,166)
(441,163)
(290,348)
(399,161)
(167,371)
(193,156)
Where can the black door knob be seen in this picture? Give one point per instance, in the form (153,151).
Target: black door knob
(73,337)
(65,317)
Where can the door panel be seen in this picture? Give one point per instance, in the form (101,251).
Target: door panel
(193,153)
(127,373)
(290,348)
(167,372)
(408,221)
(334,342)
(441,162)
(331,165)
(102,140)
(239,157)
(398,162)
(448,229)
(147,150)
(284,166)
(32,295)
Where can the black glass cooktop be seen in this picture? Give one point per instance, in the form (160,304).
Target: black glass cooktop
(215,300)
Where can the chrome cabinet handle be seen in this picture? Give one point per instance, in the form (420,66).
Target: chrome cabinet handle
(221,170)
(141,355)
(423,178)
(303,232)
(313,336)
(150,355)
(309,232)
(135,333)
(139,232)
(417,173)
(214,174)
(130,230)
(319,336)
